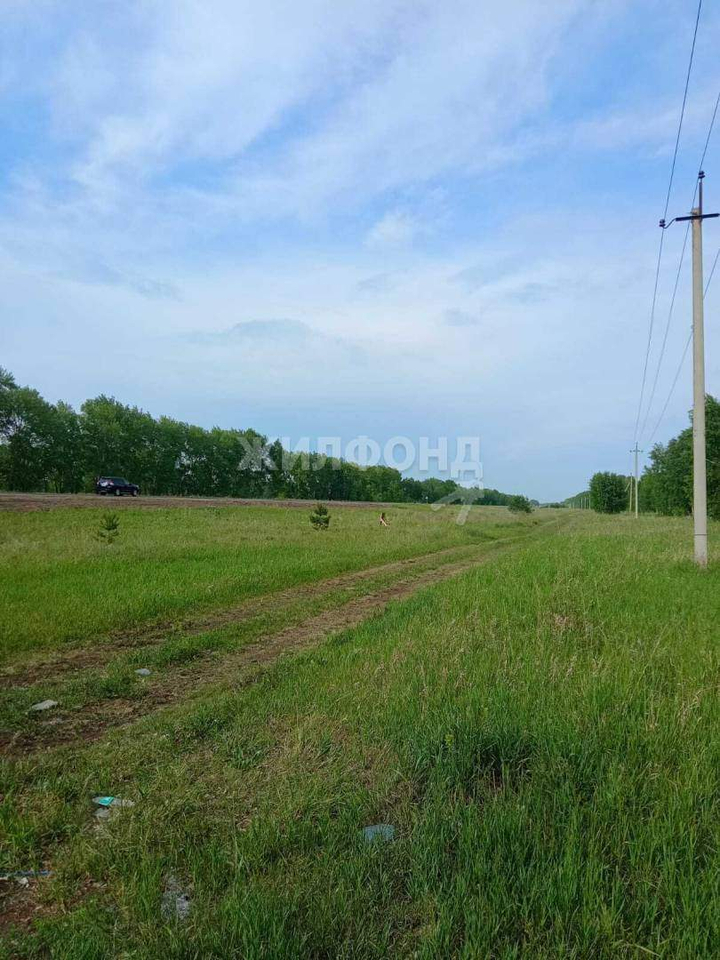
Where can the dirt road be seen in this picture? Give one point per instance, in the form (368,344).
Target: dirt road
(232,670)
(25,502)
(236,668)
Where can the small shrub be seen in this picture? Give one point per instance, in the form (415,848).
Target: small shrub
(320,518)
(109,528)
(519,504)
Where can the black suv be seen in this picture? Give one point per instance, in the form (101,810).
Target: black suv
(115,485)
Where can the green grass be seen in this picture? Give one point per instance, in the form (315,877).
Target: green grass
(60,585)
(117,678)
(542,731)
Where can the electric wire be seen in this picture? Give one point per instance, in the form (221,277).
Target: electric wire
(665,335)
(682,358)
(679,269)
(707,139)
(662,234)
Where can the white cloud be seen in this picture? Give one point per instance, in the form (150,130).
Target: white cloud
(204,81)
(310,205)
(394,229)
(399,92)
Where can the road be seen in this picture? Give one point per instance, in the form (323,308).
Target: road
(25,502)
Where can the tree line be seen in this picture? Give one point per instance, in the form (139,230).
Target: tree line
(666,484)
(52,447)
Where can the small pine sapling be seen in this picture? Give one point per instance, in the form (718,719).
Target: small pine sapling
(320,518)
(109,528)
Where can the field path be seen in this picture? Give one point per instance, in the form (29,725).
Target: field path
(100,651)
(239,667)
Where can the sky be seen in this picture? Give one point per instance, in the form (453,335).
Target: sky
(360,218)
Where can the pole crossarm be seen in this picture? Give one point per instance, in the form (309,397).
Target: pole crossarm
(695,216)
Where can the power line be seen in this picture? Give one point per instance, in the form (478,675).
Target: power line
(667,331)
(682,358)
(682,109)
(650,333)
(667,204)
(707,140)
(679,269)
(715,263)
(672,388)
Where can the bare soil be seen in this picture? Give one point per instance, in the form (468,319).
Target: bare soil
(26,502)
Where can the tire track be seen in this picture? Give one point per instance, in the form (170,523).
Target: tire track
(102,650)
(234,670)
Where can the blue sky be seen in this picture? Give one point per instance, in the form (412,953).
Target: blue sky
(434,218)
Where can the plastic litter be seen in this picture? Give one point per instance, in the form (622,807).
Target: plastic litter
(379,831)
(113,802)
(25,875)
(176,904)
(143,672)
(44,705)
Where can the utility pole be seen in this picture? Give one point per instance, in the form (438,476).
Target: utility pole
(637,508)
(699,465)
(699,454)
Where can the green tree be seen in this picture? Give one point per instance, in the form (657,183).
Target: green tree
(382,484)
(608,492)
(27,433)
(66,471)
(46,446)
(494,498)
(712,440)
(434,489)
(275,481)
(118,440)
(666,485)
(170,444)
(7,380)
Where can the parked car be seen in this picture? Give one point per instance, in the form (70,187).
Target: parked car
(116,486)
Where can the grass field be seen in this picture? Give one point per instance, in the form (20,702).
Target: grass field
(542,730)
(59,584)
